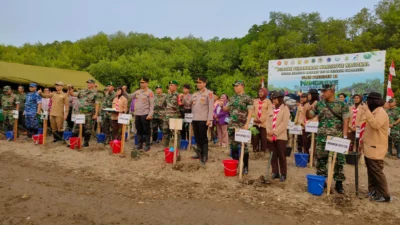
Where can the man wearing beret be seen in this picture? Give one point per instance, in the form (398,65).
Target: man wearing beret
(33,105)
(59,110)
(203,111)
(89,106)
(144,109)
(172,107)
(9,102)
(333,116)
(106,116)
(157,121)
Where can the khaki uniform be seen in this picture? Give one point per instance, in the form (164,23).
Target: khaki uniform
(59,108)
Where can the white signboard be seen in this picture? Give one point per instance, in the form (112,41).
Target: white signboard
(15,114)
(99,119)
(312,127)
(243,136)
(80,119)
(175,124)
(45,115)
(124,118)
(336,144)
(296,129)
(188,117)
(290,125)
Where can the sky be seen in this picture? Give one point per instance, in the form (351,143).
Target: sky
(45,21)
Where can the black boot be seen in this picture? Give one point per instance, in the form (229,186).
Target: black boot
(61,136)
(197,150)
(29,133)
(339,187)
(55,136)
(140,140)
(147,142)
(204,155)
(246,163)
(86,139)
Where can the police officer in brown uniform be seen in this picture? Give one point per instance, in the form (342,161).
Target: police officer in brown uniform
(202,109)
(144,109)
(59,110)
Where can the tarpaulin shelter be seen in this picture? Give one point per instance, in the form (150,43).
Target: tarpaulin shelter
(43,76)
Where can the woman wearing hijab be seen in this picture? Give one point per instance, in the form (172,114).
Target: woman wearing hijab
(120,104)
(220,119)
(262,106)
(374,143)
(277,122)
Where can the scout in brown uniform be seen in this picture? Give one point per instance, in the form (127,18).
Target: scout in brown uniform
(202,109)
(144,109)
(187,108)
(261,109)
(300,119)
(59,110)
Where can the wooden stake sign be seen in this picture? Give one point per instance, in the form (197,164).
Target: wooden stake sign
(80,119)
(15,116)
(175,124)
(312,127)
(123,119)
(243,136)
(312,150)
(45,119)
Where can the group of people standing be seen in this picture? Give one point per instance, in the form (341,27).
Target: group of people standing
(366,124)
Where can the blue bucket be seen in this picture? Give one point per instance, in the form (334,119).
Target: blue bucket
(193,140)
(159,135)
(315,184)
(40,131)
(184,144)
(67,135)
(10,135)
(136,140)
(101,138)
(301,159)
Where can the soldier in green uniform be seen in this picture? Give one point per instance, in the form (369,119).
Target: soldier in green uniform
(333,116)
(106,116)
(240,108)
(172,105)
(22,98)
(394,119)
(89,106)
(9,102)
(157,122)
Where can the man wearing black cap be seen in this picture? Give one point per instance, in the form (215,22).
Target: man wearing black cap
(333,116)
(202,108)
(157,121)
(106,116)
(187,108)
(89,106)
(144,109)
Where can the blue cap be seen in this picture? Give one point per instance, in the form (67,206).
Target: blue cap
(32,85)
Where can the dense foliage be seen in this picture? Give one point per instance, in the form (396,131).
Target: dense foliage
(124,58)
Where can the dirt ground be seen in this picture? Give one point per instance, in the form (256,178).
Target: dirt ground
(55,185)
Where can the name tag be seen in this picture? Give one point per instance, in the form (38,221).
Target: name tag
(243,136)
(312,127)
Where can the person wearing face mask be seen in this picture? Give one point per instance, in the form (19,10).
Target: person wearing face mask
(261,109)
(277,122)
(59,110)
(333,117)
(374,144)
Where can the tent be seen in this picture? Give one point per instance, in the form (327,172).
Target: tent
(43,76)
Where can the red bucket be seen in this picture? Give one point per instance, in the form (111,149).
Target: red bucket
(116,146)
(74,142)
(230,167)
(38,139)
(169,156)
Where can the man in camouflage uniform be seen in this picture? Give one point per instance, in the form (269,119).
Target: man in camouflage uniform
(394,119)
(106,116)
(89,106)
(172,107)
(240,108)
(22,98)
(9,102)
(32,110)
(333,116)
(157,122)
(187,108)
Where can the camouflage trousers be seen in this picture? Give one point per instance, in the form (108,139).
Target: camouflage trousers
(322,161)
(87,127)
(167,133)
(106,124)
(235,148)
(8,123)
(155,125)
